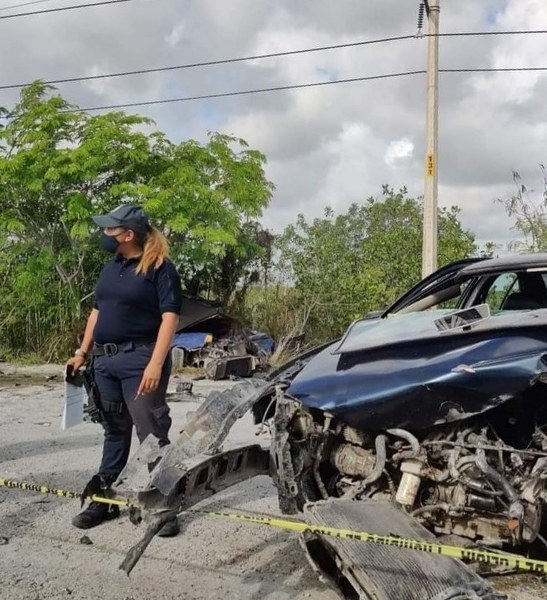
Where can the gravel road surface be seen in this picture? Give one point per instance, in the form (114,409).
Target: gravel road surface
(42,556)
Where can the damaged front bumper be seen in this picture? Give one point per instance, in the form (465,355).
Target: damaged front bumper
(193,467)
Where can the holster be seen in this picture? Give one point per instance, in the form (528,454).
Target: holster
(84,377)
(93,409)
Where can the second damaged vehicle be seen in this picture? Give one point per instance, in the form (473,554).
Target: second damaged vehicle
(428,420)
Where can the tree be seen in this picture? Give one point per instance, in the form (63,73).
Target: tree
(394,238)
(346,265)
(326,261)
(243,265)
(59,166)
(530,215)
(208,199)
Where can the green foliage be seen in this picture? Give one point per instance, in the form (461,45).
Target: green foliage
(59,166)
(346,265)
(276,309)
(208,199)
(530,215)
(326,260)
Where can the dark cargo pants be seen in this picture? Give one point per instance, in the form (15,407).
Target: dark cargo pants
(118,378)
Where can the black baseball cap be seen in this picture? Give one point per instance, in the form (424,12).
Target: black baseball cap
(128,216)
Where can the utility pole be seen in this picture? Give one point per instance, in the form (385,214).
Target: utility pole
(429,246)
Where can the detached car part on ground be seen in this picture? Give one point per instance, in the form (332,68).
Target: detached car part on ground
(425,421)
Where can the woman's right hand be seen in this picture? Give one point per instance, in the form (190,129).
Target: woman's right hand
(75,363)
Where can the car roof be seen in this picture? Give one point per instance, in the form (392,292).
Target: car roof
(465,269)
(511,262)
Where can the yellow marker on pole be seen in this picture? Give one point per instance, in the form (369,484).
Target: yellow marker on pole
(430,166)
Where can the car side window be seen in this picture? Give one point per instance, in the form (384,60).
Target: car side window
(501,286)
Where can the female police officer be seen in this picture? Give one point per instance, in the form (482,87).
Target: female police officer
(129,333)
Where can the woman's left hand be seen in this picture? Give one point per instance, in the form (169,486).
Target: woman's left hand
(150,379)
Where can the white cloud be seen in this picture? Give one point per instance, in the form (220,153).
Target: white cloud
(176,35)
(398,151)
(329,145)
(97,86)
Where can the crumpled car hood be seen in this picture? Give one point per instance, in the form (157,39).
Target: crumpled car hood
(404,372)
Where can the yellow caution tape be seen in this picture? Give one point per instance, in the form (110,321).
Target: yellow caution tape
(42,489)
(510,561)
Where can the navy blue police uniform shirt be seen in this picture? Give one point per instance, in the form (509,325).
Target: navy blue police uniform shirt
(131,306)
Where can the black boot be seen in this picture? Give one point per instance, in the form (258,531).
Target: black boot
(95,514)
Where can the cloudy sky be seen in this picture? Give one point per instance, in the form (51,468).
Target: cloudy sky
(329,145)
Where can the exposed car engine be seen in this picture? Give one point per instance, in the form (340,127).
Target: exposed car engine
(462,479)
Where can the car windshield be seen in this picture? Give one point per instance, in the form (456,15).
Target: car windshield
(510,290)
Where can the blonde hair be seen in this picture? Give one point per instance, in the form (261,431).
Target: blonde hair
(155,251)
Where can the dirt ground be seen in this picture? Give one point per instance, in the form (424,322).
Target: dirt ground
(42,556)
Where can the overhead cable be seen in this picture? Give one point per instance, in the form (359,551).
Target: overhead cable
(223,61)
(211,63)
(299,86)
(486,33)
(254,91)
(61,8)
(24,4)
(302,86)
(493,70)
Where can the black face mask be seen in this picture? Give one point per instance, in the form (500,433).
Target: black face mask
(109,243)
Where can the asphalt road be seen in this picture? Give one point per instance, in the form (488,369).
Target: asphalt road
(42,555)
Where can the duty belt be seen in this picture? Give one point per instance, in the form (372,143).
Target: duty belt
(110,349)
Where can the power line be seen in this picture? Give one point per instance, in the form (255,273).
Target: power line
(263,56)
(487,33)
(211,63)
(24,4)
(493,70)
(72,7)
(248,92)
(302,86)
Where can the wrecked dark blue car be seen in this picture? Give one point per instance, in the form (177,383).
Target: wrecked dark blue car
(438,404)
(426,421)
